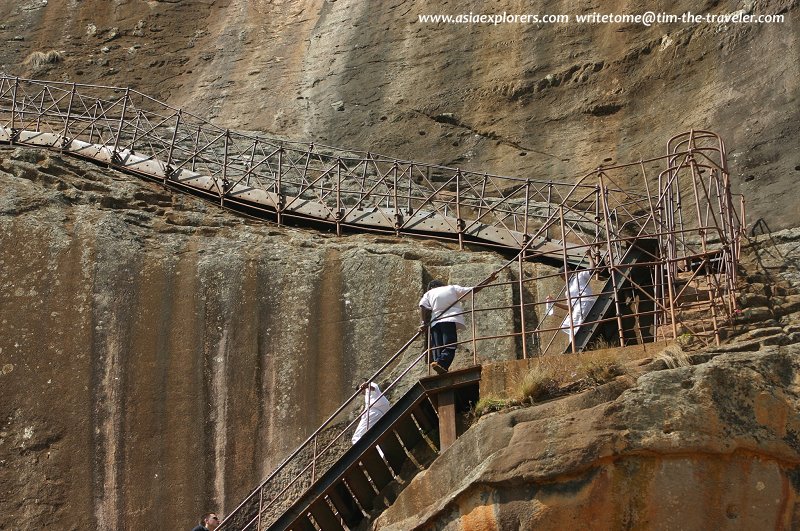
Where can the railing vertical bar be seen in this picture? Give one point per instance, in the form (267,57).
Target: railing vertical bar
(121,123)
(168,169)
(521,273)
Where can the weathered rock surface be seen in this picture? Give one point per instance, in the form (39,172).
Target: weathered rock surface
(712,446)
(160,355)
(537,100)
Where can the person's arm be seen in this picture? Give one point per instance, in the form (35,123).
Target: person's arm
(486,282)
(556,304)
(425,318)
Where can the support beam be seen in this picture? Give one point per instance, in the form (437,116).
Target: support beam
(447,418)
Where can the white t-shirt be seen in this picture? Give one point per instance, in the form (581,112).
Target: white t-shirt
(375,406)
(579,287)
(438,299)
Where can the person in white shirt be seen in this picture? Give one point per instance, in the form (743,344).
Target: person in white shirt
(437,308)
(581,298)
(375,406)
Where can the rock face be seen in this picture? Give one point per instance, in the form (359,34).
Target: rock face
(712,446)
(160,356)
(548,101)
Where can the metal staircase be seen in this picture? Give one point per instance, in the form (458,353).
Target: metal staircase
(369,474)
(631,282)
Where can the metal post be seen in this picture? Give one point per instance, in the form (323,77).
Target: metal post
(114,154)
(64,142)
(168,169)
(14,108)
(396,206)
(278,192)
(474,339)
(527,206)
(611,264)
(223,190)
(338,213)
(522,308)
(459,222)
(566,279)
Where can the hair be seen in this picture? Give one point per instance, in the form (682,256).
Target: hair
(205,518)
(434,284)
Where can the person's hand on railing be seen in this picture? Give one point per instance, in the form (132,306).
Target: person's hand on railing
(486,282)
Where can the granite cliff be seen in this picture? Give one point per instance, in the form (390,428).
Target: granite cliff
(158,355)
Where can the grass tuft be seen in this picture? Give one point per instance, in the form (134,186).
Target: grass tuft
(40,59)
(538,384)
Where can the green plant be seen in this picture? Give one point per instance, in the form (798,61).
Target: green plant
(489,404)
(538,384)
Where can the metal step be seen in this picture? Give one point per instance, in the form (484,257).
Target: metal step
(625,275)
(359,479)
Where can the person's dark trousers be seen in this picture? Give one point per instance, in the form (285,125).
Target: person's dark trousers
(444,334)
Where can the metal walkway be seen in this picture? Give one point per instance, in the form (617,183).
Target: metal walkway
(282,180)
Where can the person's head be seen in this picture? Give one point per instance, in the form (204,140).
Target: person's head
(564,269)
(434,284)
(210,520)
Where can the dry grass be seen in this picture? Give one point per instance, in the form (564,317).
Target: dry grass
(538,384)
(674,357)
(40,59)
(599,371)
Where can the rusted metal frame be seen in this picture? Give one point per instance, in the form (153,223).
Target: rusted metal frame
(698,209)
(310,186)
(338,435)
(103,121)
(709,210)
(431,199)
(474,328)
(666,198)
(611,265)
(365,161)
(459,220)
(223,189)
(147,133)
(196,146)
(502,201)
